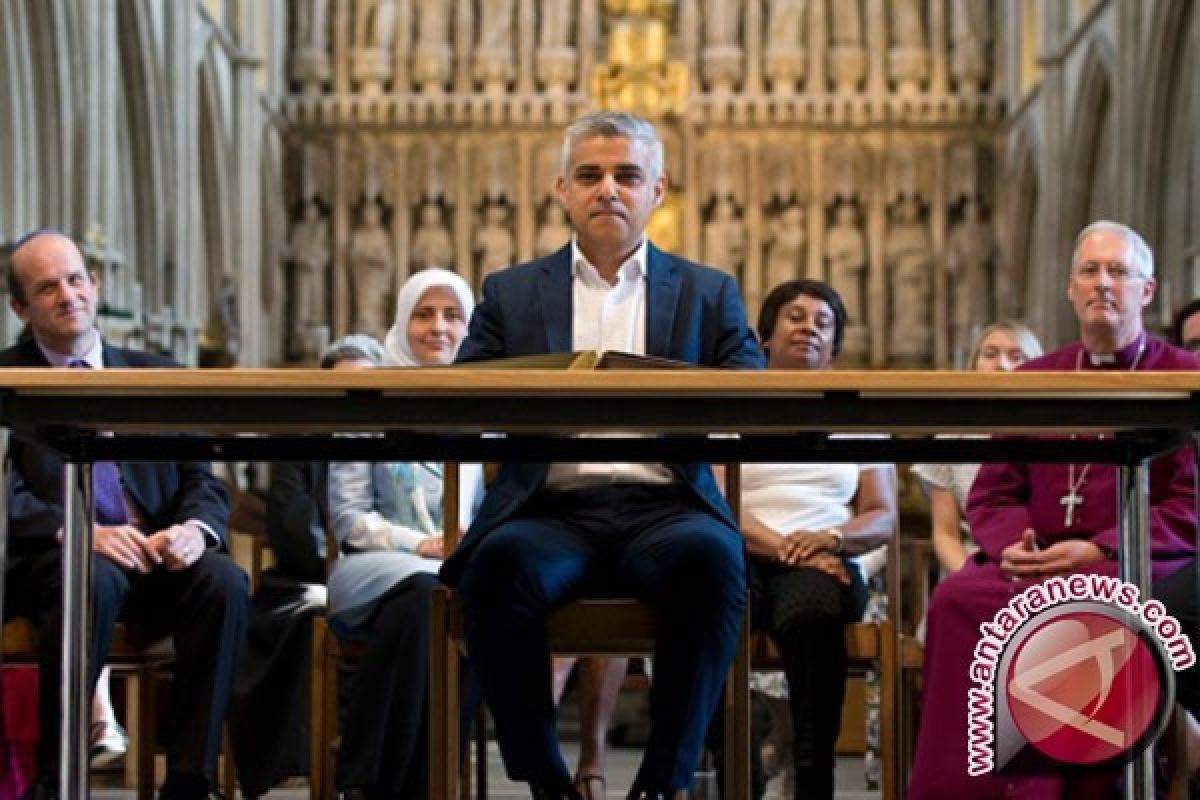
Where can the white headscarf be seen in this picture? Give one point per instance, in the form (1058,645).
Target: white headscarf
(398,351)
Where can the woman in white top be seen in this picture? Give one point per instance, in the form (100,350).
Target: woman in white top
(388,522)
(803,525)
(1001,347)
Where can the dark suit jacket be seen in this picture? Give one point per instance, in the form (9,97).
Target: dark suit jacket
(693,314)
(297,507)
(166,493)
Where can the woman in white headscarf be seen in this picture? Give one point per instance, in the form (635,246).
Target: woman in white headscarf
(388,522)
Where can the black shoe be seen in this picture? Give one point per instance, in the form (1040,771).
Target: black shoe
(637,793)
(181,786)
(44,788)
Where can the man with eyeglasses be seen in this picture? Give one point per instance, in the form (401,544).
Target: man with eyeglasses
(1035,521)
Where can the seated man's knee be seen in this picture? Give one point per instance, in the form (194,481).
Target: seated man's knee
(109,580)
(713,560)
(221,577)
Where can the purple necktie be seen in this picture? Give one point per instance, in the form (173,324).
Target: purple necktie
(106,481)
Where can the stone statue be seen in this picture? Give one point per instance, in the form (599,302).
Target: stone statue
(371,267)
(786,235)
(785,24)
(908,58)
(433,22)
(847,55)
(970,34)
(721,23)
(908,29)
(374,30)
(845,23)
(308,250)
(908,253)
(375,24)
(554,231)
(494,244)
(310,24)
(556,23)
(725,237)
(310,58)
(431,245)
(496,25)
(846,252)
(494,54)
(432,54)
(785,57)
(970,254)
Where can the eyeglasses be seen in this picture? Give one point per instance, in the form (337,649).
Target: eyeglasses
(1116,271)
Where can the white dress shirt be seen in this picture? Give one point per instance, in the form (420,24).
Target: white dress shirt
(607,316)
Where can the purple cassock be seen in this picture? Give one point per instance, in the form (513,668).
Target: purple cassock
(1004,501)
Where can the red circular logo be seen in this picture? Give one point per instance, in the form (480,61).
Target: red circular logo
(1084,688)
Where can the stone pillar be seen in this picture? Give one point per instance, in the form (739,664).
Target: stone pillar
(939,319)
(525,197)
(247,230)
(938,83)
(339,263)
(179,276)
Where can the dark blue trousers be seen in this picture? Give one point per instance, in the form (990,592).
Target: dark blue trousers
(647,542)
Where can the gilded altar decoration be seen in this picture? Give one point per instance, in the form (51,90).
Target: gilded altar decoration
(637,76)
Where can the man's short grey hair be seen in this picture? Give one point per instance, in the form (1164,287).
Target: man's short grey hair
(1142,256)
(610,125)
(354,346)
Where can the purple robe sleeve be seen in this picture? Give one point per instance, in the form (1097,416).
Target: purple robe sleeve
(997,507)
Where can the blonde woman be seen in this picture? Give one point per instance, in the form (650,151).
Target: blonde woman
(1001,347)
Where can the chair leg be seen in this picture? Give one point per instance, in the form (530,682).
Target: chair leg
(228,771)
(737,717)
(443,704)
(318,754)
(145,723)
(889,724)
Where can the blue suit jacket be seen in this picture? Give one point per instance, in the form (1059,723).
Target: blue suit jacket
(166,492)
(693,314)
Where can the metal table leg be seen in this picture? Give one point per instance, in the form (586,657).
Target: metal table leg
(1133,514)
(77,563)
(4,434)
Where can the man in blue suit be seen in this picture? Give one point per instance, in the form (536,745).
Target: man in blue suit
(160,555)
(659,532)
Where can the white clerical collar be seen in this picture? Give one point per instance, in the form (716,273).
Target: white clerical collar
(1130,354)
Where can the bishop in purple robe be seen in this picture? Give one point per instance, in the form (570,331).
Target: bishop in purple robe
(1034,521)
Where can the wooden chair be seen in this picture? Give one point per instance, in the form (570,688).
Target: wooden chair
(136,656)
(328,652)
(619,626)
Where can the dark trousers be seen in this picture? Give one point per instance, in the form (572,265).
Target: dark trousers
(1180,593)
(385,744)
(641,541)
(204,608)
(805,612)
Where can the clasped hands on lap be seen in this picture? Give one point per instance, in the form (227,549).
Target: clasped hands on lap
(174,548)
(1025,560)
(816,549)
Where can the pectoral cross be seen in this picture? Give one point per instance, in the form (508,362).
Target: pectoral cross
(1069,501)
